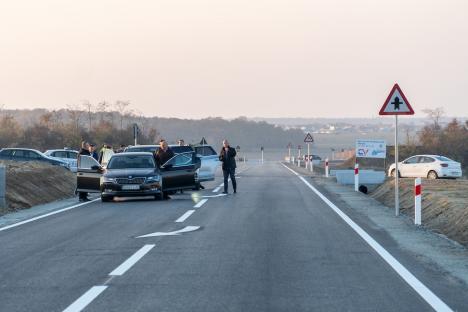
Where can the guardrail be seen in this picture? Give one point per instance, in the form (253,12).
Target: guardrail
(2,186)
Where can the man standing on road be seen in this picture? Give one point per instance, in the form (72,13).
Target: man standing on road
(163,154)
(228,157)
(83,196)
(92,151)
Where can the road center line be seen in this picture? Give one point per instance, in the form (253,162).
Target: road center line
(200,203)
(47,215)
(127,264)
(85,299)
(435,302)
(185,216)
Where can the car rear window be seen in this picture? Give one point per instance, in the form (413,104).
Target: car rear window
(147,149)
(442,158)
(181,149)
(131,161)
(205,150)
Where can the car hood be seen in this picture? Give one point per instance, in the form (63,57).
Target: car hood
(115,173)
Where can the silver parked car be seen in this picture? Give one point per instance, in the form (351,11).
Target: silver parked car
(427,166)
(68,156)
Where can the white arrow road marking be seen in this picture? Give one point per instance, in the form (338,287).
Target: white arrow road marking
(212,196)
(184,230)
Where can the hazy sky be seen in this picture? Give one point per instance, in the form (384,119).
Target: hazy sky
(271,58)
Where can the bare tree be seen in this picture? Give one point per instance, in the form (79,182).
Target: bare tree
(88,107)
(75,113)
(121,108)
(102,108)
(435,115)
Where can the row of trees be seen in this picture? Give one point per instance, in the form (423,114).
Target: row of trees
(42,129)
(112,123)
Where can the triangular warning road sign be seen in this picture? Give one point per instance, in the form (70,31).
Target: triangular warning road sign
(396,103)
(203,141)
(308,138)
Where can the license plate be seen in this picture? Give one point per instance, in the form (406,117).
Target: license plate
(130,187)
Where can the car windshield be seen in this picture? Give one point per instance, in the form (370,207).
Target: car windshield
(131,161)
(442,158)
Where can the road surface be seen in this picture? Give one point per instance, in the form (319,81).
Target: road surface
(274,246)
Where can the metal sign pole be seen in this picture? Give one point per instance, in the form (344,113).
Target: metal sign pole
(397,175)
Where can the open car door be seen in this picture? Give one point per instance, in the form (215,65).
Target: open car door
(88,176)
(209,162)
(180,172)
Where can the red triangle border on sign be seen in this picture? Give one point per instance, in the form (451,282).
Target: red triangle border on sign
(389,97)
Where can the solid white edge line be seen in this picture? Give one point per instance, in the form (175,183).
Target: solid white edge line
(434,301)
(185,216)
(46,215)
(85,299)
(127,264)
(200,203)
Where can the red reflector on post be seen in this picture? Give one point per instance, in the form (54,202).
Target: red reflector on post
(417,190)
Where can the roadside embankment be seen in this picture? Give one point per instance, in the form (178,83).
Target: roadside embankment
(33,183)
(444,204)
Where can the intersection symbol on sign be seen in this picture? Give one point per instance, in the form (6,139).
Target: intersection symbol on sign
(396,103)
(308,138)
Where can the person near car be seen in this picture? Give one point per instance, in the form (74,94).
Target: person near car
(163,154)
(181,142)
(105,154)
(83,196)
(228,158)
(92,151)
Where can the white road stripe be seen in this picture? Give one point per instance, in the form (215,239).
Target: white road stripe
(47,215)
(434,301)
(185,216)
(218,188)
(200,203)
(125,266)
(85,299)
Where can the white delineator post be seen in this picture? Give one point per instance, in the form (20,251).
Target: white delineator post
(356,177)
(307,164)
(417,201)
(326,167)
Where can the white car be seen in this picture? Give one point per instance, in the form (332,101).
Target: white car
(68,156)
(427,166)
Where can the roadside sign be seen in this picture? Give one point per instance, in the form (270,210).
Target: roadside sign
(371,148)
(396,103)
(309,138)
(203,141)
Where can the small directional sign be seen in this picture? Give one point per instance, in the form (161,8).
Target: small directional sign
(308,138)
(396,103)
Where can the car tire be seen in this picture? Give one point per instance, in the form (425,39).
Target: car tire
(392,174)
(107,198)
(432,175)
(159,196)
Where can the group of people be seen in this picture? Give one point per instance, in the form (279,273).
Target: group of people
(227,156)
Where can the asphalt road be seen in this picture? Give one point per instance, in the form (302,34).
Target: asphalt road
(274,246)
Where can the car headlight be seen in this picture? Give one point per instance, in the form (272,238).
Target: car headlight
(153,179)
(108,180)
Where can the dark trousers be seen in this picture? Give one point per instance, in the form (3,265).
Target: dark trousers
(229,172)
(82,195)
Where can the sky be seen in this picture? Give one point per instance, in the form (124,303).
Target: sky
(268,58)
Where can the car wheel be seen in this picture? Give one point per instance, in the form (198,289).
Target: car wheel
(159,196)
(432,175)
(107,198)
(392,174)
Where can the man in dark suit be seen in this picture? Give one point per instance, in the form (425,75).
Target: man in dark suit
(228,157)
(163,154)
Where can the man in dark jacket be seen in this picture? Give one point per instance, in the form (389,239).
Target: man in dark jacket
(163,154)
(83,196)
(228,157)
